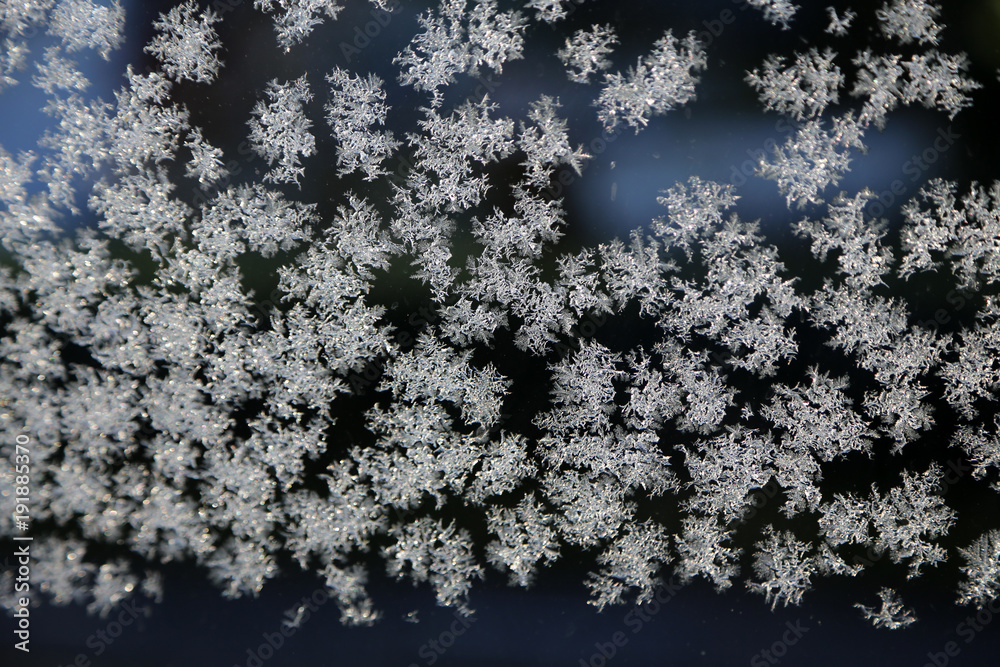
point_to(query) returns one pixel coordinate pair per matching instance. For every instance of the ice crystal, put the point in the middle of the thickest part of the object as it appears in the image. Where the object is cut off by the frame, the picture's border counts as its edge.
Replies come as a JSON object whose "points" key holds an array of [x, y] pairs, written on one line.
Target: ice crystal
{"points": [[778, 12], [187, 44], [802, 90], [356, 105], [839, 25], [659, 82], [455, 41], [982, 570], [295, 19], [83, 24], [891, 615], [280, 129], [910, 20], [813, 159], [585, 53]]}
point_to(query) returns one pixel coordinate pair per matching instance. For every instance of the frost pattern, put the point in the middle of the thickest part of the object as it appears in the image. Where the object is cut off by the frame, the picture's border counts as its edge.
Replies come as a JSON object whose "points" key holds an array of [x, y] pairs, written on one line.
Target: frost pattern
{"points": [[83, 24], [549, 11], [356, 105], [778, 12], [187, 44], [456, 41], [982, 570], [179, 415], [891, 615], [585, 53], [279, 130], [802, 90], [658, 83], [840, 25], [813, 159], [910, 20], [296, 19]]}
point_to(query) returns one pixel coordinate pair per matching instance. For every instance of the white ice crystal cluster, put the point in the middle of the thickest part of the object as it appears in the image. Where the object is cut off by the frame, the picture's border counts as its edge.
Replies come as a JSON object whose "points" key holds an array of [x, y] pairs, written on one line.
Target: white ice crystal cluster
{"points": [[178, 414]]}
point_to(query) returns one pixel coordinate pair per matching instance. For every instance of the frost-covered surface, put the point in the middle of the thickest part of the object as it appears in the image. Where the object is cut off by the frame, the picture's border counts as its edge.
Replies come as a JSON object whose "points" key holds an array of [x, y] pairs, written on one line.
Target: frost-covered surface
{"points": [[178, 415], [586, 52]]}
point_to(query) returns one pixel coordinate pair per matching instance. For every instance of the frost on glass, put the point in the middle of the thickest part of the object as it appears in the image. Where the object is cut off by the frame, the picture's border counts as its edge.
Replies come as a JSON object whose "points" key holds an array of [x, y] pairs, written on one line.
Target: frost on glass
{"points": [[658, 83], [84, 24], [279, 130], [356, 104], [778, 12], [458, 39], [181, 412], [187, 43], [840, 24], [892, 614], [294, 20], [586, 52], [910, 20], [801, 90]]}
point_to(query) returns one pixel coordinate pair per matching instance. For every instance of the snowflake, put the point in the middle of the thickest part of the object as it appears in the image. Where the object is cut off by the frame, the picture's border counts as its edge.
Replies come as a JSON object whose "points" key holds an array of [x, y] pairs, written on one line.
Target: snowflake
{"points": [[585, 53], [279, 130], [187, 43], [659, 82]]}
